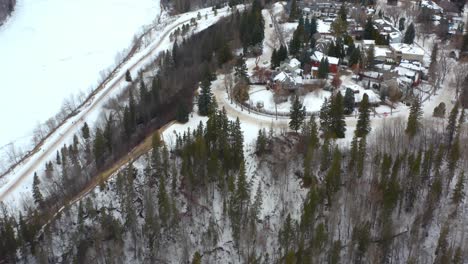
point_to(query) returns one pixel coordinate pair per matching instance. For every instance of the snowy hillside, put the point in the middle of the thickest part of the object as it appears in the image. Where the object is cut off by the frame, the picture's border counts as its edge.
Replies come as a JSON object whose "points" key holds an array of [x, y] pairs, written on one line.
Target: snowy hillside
{"points": [[52, 49]]}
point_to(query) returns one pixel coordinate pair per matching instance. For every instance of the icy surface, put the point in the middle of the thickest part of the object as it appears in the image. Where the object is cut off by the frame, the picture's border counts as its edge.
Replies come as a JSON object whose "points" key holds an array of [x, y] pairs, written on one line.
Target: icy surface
{"points": [[50, 49]]}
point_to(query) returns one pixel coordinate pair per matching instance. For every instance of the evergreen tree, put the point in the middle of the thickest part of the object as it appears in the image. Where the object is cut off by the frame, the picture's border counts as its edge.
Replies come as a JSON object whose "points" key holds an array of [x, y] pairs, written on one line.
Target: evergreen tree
{"points": [[58, 159], [237, 143], [363, 124], [99, 148], [458, 192], [401, 24], [163, 202], [274, 59], [294, 11], [37, 195], [257, 204], [343, 13], [242, 188], [442, 254], [349, 101], [182, 114], [224, 54], [295, 43], [337, 117], [128, 76], [410, 33], [240, 70], [452, 125], [464, 46], [85, 131], [354, 57], [205, 99], [308, 166], [325, 155], [313, 134], [370, 56], [313, 26], [282, 53], [252, 26], [361, 156], [197, 258], [334, 257], [414, 118], [333, 176], [325, 118], [261, 142], [339, 26], [369, 29], [323, 69], [286, 234], [297, 115]]}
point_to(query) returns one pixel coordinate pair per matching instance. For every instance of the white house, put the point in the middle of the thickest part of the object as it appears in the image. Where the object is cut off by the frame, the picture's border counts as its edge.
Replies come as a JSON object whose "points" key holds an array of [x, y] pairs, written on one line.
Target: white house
{"points": [[402, 51]]}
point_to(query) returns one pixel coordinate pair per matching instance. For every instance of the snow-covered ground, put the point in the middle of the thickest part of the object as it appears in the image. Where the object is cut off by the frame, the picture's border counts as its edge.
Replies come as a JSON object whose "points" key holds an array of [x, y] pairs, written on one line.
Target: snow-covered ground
{"points": [[16, 185], [51, 49], [312, 101]]}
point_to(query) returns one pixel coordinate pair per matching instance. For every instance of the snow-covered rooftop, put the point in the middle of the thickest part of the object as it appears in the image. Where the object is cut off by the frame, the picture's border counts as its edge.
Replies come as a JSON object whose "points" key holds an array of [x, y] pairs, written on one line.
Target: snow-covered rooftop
{"points": [[381, 51], [317, 56], [405, 72], [407, 48], [431, 5], [293, 63], [368, 42], [323, 27], [359, 92]]}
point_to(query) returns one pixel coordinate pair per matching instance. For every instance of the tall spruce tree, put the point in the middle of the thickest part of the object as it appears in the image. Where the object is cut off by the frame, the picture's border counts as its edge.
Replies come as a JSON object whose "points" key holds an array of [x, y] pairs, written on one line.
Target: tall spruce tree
{"points": [[414, 119], [323, 69], [99, 148], [363, 124], [459, 192], [452, 125], [297, 115], [37, 195], [313, 26], [333, 176], [349, 101], [325, 118], [282, 53], [410, 33], [337, 116], [274, 59], [205, 99], [294, 11], [240, 70]]}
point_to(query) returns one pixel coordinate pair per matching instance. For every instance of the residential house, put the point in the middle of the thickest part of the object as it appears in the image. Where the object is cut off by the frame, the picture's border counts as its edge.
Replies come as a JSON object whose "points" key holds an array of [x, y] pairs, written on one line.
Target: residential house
{"points": [[316, 58], [402, 51], [284, 80], [359, 91]]}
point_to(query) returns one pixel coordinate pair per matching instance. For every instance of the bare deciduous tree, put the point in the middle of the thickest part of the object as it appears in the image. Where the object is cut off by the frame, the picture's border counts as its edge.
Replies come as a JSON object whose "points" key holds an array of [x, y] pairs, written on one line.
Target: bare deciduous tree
{"points": [[460, 72], [394, 13]]}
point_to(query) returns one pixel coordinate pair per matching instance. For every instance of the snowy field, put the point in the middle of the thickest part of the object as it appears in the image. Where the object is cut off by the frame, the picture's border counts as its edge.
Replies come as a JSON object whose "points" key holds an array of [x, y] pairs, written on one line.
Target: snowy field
{"points": [[15, 187], [312, 101], [51, 49]]}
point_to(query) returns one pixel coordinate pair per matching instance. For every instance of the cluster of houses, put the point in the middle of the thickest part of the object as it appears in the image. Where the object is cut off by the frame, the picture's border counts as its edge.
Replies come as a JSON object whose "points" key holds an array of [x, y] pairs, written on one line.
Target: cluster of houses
{"points": [[396, 61], [438, 13]]}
